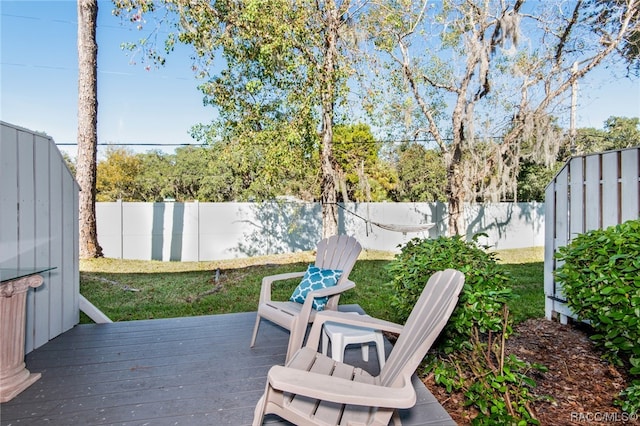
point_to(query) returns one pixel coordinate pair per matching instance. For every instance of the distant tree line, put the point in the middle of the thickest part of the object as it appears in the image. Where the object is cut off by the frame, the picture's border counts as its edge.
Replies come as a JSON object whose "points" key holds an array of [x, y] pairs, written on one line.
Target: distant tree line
{"points": [[368, 170]]}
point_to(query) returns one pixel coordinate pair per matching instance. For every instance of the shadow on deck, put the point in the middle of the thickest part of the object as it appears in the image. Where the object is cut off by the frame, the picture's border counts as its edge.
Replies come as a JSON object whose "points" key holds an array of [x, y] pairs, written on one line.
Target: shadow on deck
{"points": [[187, 371]]}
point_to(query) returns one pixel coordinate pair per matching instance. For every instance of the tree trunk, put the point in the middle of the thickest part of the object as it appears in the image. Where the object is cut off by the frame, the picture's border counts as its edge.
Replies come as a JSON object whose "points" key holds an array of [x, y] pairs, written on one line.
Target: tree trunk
{"points": [[455, 168], [87, 126], [329, 199], [328, 182], [455, 192]]}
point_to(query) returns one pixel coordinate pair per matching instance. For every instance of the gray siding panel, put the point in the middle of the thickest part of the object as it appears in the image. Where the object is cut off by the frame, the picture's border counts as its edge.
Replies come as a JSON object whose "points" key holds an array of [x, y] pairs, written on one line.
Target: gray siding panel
{"points": [[71, 288], [56, 254], [39, 227], [9, 197], [26, 223], [43, 207]]}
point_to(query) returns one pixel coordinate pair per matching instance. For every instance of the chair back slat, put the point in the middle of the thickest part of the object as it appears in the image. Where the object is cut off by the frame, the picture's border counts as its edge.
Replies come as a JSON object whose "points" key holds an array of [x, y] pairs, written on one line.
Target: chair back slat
{"points": [[338, 252], [426, 321]]}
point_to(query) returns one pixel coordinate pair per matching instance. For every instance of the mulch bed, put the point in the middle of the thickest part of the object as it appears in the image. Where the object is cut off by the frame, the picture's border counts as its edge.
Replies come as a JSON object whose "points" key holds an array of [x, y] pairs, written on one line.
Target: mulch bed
{"points": [[579, 388]]}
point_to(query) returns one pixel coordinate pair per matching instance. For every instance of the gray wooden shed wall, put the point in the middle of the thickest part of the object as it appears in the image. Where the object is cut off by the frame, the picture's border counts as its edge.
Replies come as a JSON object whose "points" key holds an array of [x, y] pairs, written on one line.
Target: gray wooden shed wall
{"points": [[590, 192], [39, 227]]}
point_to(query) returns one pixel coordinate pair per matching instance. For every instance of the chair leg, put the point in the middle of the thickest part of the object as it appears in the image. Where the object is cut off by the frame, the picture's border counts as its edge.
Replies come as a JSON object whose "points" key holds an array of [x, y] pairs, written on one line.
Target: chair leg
{"points": [[380, 348], [325, 341], [337, 348], [296, 337], [365, 351], [258, 414], [396, 418], [255, 330]]}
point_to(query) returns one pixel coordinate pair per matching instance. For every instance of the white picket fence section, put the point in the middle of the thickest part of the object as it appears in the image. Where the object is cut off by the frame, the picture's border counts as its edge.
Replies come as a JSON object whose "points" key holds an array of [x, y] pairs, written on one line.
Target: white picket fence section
{"points": [[590, 192], [39, 227]]}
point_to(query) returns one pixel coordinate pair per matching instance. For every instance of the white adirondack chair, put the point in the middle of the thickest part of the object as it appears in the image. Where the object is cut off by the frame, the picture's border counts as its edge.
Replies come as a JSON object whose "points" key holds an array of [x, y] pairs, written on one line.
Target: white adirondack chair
{"points": [[313, 389], [337, 252]]}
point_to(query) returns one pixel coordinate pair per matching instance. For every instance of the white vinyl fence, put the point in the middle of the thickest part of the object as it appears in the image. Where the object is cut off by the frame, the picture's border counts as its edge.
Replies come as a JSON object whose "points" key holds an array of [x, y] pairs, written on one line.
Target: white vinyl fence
{"points": [[590, 192], [215, 231]]}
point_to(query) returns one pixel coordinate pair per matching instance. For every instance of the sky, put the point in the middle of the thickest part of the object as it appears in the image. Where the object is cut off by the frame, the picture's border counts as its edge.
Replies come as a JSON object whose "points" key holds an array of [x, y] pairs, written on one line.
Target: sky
{"points": [[39, 79], [39, 73]]}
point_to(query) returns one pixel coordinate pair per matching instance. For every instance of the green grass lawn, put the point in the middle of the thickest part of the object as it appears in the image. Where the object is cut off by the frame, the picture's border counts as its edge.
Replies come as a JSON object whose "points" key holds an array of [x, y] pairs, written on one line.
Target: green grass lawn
{"points": [[131, 290], [526, 266]]}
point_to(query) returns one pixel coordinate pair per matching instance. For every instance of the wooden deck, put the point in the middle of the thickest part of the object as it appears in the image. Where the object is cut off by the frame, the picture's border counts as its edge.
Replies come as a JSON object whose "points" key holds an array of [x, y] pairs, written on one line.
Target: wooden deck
{"points": [[182, 371]]}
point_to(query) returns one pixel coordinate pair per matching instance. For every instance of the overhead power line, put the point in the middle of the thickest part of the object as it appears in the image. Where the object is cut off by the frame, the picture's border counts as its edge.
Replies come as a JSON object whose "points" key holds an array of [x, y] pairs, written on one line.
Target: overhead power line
{"points": [[384, 141], [133, 144]]}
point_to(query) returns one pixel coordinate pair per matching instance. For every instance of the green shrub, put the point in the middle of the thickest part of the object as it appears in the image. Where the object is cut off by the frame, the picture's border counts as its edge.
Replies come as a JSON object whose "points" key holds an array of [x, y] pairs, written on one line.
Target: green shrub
{"points": [[630, 402], [600, 279], [471, 357], [487, 286]]}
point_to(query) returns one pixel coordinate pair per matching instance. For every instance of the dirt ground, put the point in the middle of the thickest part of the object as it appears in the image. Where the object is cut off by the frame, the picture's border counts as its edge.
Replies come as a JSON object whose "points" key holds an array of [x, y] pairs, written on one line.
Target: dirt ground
{"points": [[579, 387]]}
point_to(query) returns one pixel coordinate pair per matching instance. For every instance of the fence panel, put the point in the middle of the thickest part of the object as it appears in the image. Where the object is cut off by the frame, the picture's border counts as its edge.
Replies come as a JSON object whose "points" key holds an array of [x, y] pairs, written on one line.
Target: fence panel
{"points": [[629, 192], [610, 189], [603, 190], [576, 201], [216, 231], [550, 239], [593, 208]]}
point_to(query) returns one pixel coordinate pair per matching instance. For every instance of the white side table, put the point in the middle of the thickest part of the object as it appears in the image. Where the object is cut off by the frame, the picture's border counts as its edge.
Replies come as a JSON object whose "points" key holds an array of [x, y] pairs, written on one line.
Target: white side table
{"points": [[342, 335]]}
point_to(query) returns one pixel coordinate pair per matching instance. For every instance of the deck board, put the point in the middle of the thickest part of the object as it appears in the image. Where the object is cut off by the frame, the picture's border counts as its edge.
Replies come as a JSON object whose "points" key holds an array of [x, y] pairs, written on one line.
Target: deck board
{"points": [[184, 371]]}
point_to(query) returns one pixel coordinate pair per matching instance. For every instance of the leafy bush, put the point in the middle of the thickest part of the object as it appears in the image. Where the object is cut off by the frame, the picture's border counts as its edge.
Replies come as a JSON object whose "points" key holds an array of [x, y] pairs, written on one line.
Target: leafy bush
{"points": [[630, 402], [471, 359], [600, 279], [487, 286]]}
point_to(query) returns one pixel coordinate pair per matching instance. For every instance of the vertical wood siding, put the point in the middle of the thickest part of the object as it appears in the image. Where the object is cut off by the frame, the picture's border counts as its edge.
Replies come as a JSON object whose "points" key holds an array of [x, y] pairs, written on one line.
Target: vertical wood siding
{"points": [[39, 227], [590, 192]]}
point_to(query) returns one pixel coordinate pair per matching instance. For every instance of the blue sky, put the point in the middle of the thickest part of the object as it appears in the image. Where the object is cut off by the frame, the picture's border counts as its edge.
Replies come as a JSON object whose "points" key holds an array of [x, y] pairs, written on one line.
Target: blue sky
{"points": [[38, 82], [39, 73]]}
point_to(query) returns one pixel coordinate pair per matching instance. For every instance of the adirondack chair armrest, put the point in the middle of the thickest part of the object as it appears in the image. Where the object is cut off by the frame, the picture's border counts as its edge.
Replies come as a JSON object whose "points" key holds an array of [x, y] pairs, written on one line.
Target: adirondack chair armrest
{"points": [[349, 319], [339, 390], [307, 306], [302, 321], [267, 282], [330, 291]]}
